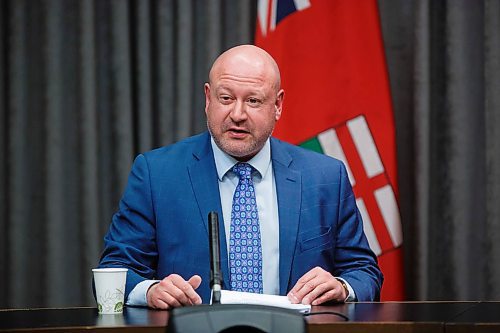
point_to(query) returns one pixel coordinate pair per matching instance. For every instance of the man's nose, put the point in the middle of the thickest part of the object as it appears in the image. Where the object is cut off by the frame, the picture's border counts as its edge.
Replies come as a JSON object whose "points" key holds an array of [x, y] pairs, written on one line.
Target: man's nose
{"points": [[238, 113]]}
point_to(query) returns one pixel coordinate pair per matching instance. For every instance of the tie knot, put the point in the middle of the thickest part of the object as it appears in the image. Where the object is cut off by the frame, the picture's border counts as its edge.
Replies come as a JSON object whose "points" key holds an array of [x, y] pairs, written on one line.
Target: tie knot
{"points": [[243, 170]]}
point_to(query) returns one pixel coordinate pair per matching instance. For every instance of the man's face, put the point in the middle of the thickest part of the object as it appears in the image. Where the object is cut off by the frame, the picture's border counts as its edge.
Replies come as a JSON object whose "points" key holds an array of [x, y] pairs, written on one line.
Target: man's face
{"points": [[242, 108]]}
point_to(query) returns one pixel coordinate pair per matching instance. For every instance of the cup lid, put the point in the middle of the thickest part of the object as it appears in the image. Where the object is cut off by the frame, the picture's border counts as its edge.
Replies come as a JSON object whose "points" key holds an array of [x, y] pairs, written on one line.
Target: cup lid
{"points": [[109, 269]]}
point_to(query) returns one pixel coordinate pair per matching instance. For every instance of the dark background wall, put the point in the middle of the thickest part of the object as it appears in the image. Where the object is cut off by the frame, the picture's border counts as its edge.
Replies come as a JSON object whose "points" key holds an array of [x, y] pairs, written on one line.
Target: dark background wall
{"points": [[86, 85]]}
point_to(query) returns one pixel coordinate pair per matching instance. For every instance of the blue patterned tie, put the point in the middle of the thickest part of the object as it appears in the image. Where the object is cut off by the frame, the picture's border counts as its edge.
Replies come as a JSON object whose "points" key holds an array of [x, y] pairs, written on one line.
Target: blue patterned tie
{"points": [[245, 251]]}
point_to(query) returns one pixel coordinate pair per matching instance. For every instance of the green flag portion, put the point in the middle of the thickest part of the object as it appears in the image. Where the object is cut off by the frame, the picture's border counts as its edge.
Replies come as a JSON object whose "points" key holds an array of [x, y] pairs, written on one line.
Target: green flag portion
{"points": [[312, 144]]}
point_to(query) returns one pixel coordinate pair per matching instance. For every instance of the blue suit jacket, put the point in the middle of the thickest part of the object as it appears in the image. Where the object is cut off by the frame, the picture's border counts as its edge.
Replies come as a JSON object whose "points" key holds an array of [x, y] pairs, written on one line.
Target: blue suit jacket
{"points": [[161, 225]]}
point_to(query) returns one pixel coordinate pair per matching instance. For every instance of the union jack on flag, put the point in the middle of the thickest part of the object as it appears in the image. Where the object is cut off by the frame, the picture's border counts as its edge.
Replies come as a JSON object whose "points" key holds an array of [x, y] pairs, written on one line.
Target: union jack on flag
{"points": [[278, 10]]}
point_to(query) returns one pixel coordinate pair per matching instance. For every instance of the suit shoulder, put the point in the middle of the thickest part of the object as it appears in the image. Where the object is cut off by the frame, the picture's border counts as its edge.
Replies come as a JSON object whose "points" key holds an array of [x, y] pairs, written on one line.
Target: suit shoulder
{"points": [[178, 152], [303, 157], [184, 146]]}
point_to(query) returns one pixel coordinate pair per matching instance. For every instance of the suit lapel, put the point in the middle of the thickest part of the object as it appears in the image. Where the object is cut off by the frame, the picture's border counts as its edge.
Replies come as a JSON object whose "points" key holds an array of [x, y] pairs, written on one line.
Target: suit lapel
{"points": [[288, 187], [203, 175]]}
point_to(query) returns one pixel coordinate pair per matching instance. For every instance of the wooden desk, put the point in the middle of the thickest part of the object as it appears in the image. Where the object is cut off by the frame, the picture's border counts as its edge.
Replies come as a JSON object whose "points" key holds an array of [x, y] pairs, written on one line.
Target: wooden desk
{"points": [[363, 317], [485, 317]]}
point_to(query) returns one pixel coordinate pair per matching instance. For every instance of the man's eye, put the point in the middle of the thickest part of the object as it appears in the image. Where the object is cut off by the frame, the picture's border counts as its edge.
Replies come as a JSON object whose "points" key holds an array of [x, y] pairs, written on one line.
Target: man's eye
{"points": [[253, 101], [225, 98]]}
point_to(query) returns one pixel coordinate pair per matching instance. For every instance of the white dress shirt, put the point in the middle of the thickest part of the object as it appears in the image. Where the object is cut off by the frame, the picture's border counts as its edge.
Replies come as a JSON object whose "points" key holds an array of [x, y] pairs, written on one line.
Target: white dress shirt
{"points": [[267, 207]]}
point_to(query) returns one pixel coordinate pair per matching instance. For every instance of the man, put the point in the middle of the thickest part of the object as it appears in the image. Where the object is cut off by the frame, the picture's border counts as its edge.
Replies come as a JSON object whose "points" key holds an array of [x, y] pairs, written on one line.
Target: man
{"points": [[297, 232]]}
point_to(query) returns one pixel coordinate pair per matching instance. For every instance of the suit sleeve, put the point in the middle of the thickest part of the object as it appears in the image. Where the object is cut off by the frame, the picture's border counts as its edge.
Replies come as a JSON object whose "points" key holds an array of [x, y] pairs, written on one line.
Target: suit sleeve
{"points": [[355, 261], [131, 239]]}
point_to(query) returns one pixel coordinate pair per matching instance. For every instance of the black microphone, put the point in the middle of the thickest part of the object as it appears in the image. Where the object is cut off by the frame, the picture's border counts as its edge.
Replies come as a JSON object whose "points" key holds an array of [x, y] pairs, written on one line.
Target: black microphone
{"points": [[215, 273]]}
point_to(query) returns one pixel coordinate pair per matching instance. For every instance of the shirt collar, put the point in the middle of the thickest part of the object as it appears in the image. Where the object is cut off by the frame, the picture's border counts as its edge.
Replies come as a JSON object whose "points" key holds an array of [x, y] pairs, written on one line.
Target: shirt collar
{"points": [[224, 162]]}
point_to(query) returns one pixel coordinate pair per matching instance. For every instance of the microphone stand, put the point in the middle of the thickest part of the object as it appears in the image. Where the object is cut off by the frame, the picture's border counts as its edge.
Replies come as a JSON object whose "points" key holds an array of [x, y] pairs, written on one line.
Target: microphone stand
{"points": [[215, 272]]}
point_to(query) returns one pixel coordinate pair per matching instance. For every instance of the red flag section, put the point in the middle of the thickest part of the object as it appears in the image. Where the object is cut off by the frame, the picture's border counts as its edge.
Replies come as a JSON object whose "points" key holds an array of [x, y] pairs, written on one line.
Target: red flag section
{"points": [[337, 101]]}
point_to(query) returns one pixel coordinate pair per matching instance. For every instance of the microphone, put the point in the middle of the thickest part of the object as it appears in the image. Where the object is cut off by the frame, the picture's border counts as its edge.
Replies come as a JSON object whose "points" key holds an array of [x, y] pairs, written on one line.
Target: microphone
{"points": [[215, 272]]}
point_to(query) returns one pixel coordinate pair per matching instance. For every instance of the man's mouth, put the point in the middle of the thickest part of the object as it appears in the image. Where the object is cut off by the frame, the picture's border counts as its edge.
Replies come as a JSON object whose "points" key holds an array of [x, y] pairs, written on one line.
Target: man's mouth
{"points": [[237, 132]]}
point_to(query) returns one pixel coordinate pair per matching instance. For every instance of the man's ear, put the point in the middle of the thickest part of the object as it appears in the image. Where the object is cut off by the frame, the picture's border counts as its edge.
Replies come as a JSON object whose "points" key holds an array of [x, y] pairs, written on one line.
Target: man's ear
{"points": [[278, 105], [207, 96]]}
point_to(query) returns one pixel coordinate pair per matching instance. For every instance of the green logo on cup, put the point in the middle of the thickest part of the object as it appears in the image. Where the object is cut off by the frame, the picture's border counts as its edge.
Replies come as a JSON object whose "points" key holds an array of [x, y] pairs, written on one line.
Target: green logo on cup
{"points": [[111, 302]]}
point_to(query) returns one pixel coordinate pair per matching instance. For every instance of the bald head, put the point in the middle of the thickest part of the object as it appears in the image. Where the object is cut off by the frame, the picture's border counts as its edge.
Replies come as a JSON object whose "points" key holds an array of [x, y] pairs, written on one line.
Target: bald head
{"points": [[247, 61]]}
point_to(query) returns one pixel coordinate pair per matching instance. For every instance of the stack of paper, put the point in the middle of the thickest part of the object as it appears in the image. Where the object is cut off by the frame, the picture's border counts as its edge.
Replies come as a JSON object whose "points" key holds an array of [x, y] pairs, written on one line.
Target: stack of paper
{"points": [[238, 297]]}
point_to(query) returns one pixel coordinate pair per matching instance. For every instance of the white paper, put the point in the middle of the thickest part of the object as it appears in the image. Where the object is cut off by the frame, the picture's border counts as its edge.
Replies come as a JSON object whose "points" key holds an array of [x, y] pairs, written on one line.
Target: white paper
{"points": [[238, 297]]}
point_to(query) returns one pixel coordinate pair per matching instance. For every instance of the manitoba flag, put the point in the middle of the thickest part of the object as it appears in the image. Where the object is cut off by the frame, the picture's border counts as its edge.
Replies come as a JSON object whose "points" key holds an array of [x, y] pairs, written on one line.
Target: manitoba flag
{"points": [[337, 102]]}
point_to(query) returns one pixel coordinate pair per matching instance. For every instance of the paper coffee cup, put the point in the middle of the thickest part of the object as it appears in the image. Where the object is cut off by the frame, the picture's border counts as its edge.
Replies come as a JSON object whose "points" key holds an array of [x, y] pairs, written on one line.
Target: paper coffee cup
{"points": [[110, 289]]}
